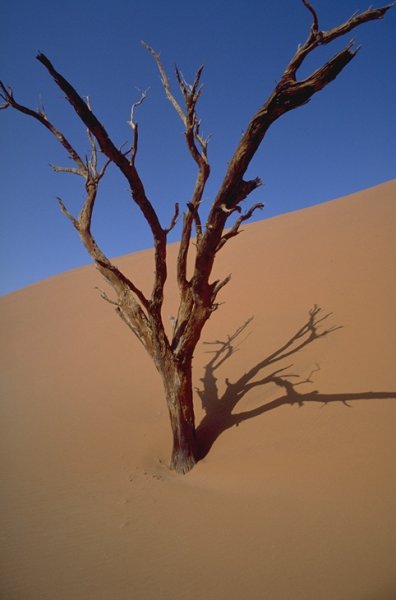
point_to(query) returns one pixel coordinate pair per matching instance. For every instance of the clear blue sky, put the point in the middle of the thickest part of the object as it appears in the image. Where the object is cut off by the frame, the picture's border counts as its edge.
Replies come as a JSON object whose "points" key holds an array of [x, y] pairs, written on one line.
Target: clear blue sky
{"points": [[342, 141]]}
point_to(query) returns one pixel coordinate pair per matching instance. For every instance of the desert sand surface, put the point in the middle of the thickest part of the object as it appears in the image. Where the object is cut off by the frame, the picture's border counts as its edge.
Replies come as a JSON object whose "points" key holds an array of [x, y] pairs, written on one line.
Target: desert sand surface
{"points": [[296, 496]]}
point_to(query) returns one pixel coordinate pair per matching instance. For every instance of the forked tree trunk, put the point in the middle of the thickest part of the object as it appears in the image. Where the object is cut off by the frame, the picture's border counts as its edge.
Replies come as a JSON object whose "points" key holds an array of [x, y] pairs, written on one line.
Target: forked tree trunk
{"points": [[177, 381], [198, 297]]}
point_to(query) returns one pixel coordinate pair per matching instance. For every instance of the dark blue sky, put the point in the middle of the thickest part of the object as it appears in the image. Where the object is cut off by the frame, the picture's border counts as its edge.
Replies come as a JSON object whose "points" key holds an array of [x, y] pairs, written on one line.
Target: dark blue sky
{"points": [[341, 142]]}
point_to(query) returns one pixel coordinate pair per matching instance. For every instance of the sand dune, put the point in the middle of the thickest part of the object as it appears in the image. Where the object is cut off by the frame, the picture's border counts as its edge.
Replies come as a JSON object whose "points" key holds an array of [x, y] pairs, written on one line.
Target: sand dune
{"points": [[295, 498]]}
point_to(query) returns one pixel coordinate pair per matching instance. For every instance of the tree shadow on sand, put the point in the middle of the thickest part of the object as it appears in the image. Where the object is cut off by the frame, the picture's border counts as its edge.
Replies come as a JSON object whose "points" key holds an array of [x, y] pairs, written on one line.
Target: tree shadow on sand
{"points": [[219, 411]]}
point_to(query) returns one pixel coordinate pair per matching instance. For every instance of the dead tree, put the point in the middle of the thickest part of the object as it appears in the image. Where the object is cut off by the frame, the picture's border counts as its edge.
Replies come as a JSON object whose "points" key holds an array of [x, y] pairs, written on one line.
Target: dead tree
{"points": [[173, 355]]}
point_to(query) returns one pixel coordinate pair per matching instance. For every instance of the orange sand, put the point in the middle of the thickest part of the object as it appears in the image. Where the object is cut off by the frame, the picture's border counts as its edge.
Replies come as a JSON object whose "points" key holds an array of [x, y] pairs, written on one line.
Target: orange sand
{"points": [[297, 502]]}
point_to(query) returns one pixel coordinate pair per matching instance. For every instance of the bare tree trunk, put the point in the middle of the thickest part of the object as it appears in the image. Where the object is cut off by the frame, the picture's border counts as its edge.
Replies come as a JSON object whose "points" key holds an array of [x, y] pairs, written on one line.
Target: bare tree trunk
{"points": [[177, 381]]}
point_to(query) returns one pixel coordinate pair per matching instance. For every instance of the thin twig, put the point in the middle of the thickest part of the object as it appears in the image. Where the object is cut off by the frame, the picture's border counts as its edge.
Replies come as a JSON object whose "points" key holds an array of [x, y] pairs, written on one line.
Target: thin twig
{"points": [[134, 125], [165, 82], [106, 297], [235, 229], [174, 218], [68, 214]]}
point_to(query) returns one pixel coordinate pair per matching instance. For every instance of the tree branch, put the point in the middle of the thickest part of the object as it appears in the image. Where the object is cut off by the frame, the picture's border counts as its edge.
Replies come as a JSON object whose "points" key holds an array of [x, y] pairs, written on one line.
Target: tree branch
{"points": [[134, 126], [318, 38], [165, 83], [235, 228], [193, 208], [371, 14], [117, 279], [67, 214], [293, 94], [69, 170], [86, 115], [105, 297], [106, 145], [138, 192], [92, 177], [315, 24], [174, 219], [287, 95], [7, 95], [189, 118], [218, 285]]}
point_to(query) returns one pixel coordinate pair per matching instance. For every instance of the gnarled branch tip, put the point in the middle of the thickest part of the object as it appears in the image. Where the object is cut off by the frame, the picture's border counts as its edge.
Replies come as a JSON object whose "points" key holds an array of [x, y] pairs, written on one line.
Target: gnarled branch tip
{"points": [[67, 213]]}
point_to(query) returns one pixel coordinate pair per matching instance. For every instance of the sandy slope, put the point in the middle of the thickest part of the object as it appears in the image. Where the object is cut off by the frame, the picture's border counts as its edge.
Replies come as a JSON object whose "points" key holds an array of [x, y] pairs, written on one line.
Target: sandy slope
{"points": [[297, 501]]}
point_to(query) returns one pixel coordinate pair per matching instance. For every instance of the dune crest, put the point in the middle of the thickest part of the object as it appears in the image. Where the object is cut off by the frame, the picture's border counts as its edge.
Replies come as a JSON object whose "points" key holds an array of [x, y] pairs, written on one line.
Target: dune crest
{"points": [[296, 403]]}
